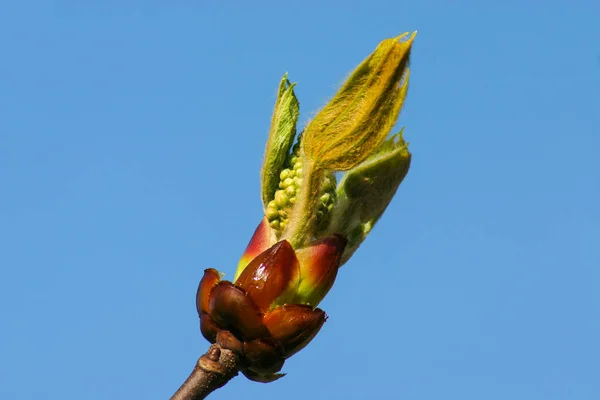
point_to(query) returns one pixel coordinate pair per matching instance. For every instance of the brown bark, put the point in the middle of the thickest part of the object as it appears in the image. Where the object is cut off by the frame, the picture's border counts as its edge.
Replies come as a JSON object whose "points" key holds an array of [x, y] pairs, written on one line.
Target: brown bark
{"points": [[213, 370]]}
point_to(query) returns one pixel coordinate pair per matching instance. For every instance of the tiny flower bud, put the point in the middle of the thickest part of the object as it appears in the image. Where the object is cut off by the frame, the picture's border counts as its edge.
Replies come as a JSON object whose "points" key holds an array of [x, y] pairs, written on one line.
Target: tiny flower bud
{"points": [[272, 211], [290, 191], [284, 174], [287, 182], [281, 199]]}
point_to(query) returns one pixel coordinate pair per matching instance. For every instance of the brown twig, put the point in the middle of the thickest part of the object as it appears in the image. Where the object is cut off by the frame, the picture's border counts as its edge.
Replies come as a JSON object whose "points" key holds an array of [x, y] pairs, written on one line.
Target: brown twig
{"points": [[213, 370]]}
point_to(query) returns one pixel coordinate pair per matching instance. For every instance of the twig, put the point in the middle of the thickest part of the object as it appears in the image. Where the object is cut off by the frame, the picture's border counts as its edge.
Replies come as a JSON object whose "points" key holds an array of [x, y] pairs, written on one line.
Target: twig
{"points": [[213, 370]]}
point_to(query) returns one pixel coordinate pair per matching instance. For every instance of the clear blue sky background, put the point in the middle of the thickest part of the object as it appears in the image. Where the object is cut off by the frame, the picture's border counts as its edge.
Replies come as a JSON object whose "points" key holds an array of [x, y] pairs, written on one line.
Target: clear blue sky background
{"points": [[131, 136]]}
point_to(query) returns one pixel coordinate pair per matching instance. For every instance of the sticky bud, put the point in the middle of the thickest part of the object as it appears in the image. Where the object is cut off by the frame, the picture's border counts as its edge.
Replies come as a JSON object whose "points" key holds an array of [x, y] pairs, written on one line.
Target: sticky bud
{"points": [[272, 276]]}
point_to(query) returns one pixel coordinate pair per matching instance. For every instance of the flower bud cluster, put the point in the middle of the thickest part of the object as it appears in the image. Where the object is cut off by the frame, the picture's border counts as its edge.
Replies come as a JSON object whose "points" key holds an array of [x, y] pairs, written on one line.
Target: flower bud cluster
{"points": [[290, 180]]}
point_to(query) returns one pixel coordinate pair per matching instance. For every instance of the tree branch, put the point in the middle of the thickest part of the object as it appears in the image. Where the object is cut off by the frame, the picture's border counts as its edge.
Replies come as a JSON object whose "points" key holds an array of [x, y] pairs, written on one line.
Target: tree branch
{"points": [[213, 370]]}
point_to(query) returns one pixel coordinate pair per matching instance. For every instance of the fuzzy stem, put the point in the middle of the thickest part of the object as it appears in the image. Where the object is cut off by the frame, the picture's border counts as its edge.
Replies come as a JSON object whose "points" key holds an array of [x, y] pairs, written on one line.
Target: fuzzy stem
{"points": [[213, 370]]}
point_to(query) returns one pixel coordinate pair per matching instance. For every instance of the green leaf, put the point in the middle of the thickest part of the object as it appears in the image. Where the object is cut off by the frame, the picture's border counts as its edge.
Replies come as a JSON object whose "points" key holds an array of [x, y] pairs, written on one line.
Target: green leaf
{"points": [[281, 138], [360, 116], [366, 190]]}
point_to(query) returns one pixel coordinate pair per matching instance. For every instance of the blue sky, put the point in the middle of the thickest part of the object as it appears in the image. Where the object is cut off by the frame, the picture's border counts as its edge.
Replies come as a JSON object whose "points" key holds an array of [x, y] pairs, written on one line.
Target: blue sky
{"points": [[131, 137]]}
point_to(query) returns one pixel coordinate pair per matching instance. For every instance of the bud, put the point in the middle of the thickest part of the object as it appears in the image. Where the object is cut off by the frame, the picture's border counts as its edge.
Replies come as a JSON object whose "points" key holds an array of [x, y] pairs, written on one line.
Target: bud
{"points": [[311, 224]]}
